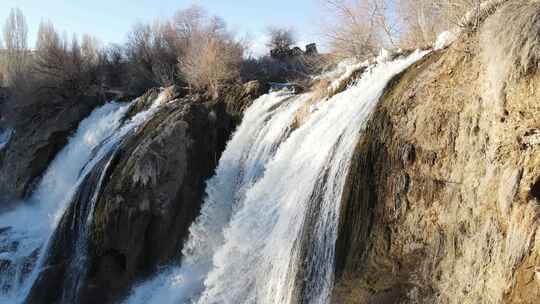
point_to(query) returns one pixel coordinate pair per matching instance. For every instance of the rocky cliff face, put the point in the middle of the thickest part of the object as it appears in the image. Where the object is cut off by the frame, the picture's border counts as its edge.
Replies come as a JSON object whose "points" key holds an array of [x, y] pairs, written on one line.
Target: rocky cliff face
{"points": [[441, 204], [155, 192], [39, 133], [146, 193]]}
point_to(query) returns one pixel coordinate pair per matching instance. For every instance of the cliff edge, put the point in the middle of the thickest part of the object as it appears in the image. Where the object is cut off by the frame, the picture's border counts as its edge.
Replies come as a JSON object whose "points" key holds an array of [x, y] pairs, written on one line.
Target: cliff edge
{"points": [[441, 203]]}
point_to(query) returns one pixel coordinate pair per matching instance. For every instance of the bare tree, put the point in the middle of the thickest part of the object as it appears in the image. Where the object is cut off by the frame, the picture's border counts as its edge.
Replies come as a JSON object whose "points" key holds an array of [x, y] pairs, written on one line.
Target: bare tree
{"points": [[90, 49], [280, 38], [152, 54], [212, 59], [192, 47], [421, 20], [187, 23], [359, 28], [113, 68], [50, 54], [60, 64], [16, 46]]}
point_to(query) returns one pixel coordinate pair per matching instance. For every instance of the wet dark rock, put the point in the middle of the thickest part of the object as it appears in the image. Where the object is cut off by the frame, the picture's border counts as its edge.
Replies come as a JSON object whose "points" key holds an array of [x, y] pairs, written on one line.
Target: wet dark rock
{"points": [[238, 98], [65, 264], [150, 195], [4, 264], [154, 193], [40, 132]]}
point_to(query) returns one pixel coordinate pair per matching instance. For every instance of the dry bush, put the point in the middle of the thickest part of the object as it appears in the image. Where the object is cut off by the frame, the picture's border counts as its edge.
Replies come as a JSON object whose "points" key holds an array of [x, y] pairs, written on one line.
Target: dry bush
{"points": [[208, 54], [210, 62], [518, 39], [463, 13], [151, 54], [64, 67], [423, 20], [510, 42], [359, 28]]}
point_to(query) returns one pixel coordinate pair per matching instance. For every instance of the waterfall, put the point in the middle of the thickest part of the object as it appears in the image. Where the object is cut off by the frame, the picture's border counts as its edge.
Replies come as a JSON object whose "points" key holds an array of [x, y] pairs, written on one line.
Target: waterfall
{"points": [[27, 228], [268, 227], [27, 231], [5, 136], [265, 125]]}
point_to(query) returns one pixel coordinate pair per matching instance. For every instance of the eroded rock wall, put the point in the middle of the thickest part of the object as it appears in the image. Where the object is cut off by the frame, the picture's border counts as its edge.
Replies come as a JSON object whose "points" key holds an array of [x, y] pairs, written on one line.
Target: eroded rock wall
{"points": [[154, 193], [441, 204]]}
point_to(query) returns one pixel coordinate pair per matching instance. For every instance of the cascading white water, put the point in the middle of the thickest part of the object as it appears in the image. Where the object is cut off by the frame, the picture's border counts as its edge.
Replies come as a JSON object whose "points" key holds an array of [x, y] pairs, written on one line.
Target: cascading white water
{"points": [[265, 125], [33, 222], [5, 136], [30, 226], [247, 245]]}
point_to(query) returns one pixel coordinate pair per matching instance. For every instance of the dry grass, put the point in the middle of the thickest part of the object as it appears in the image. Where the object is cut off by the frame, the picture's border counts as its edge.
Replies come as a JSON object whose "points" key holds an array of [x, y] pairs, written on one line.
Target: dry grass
{"points": [[510, 42], [486, 260], [211, 61]]}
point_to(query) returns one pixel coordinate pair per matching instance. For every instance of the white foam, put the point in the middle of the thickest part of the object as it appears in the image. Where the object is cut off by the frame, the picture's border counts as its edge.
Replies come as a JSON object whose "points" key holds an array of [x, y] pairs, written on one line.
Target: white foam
{"points": [[34, 221], [245, 245], [264, 127]]}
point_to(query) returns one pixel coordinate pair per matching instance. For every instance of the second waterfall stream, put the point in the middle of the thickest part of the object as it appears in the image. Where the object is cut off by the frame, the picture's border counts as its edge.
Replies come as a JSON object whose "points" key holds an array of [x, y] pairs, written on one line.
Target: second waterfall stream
{"points": [[268, 226]]}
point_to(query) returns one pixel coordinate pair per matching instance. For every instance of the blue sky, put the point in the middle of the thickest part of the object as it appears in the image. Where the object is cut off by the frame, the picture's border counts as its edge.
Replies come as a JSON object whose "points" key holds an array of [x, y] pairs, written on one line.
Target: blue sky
{"points": [[110, 20]]}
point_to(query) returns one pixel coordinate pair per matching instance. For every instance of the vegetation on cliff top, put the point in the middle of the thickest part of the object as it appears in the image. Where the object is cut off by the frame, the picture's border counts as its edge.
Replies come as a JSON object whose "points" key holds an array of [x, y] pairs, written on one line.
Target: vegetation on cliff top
{"points": [[198, 50]]}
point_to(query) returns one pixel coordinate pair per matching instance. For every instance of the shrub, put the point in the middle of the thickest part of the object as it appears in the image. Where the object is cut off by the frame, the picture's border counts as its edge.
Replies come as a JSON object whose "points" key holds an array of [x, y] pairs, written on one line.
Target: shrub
{"points": [[210, 61], [359, 28], [152, 55]]}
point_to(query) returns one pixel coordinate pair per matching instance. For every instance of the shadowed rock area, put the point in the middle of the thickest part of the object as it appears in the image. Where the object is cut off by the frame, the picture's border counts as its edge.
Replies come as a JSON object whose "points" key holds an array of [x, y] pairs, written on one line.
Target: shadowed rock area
{"points": [[40, 131]]}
